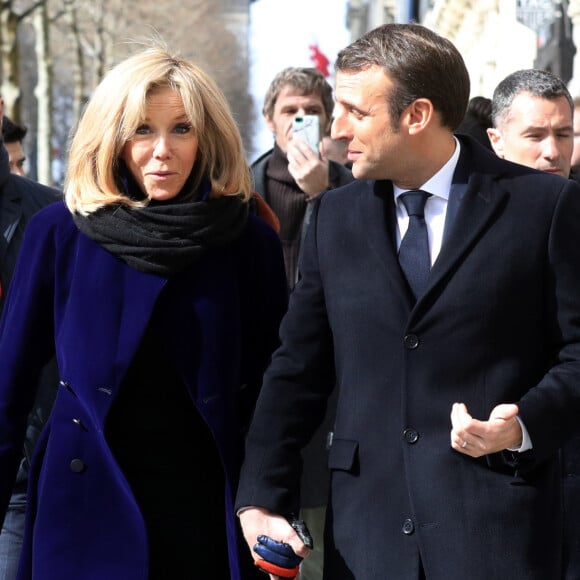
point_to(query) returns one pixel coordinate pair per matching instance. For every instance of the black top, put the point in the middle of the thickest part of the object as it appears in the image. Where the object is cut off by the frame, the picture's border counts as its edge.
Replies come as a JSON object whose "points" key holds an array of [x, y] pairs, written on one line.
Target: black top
{"points": [[169, 457]]}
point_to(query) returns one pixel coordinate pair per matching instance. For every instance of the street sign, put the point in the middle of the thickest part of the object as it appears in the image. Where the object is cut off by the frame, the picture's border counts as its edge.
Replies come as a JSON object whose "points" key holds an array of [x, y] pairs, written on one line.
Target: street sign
{"points": [[536, 14]]}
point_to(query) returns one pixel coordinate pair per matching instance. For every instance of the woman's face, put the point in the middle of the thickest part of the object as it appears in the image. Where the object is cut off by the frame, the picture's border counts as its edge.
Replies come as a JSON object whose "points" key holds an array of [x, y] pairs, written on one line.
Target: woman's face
{"points": [[162, 152]]}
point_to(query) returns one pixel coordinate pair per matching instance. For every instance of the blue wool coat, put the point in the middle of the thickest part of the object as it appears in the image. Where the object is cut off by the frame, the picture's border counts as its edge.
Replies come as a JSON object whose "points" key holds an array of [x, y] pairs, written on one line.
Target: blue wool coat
{"points": [[71, 296]]}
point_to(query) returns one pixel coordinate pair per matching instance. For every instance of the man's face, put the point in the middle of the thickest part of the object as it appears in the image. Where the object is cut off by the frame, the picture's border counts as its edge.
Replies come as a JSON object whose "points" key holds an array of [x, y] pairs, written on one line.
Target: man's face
{"points": [[289, 104], [576, 149], [538, 133], [362, 118], [16, 157]]}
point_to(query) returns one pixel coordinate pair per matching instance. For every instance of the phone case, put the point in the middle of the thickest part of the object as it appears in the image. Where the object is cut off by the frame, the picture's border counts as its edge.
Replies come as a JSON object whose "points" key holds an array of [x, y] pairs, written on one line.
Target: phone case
{"points": [[307, 128]]}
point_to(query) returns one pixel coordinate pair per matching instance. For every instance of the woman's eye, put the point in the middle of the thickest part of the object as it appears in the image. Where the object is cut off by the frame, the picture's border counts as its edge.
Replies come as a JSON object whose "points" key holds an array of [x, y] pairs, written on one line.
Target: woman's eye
{"points": [[142, 130], [182, 128]]}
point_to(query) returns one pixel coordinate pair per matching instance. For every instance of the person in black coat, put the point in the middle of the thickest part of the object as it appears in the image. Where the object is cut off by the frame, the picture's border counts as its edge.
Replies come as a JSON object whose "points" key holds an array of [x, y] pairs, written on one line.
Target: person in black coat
{"points": [[533, 125], [459, 379], [290, 177], [20, 199]]}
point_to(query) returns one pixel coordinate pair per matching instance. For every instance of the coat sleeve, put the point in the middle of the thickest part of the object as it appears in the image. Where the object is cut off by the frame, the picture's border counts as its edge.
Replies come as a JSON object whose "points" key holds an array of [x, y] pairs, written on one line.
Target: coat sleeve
{"points": [[550, 410], [26, 343], [265, 281], [293, 397]]}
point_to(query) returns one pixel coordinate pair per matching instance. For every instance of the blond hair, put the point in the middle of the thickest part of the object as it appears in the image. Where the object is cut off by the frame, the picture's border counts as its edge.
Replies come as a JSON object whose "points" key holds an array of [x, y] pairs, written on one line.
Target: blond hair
{"points": [[116, 109]]}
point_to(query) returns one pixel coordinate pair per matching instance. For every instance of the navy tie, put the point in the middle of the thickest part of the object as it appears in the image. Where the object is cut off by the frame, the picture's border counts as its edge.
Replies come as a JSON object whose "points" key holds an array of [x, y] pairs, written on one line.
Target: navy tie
{"points": [[414, 250]]}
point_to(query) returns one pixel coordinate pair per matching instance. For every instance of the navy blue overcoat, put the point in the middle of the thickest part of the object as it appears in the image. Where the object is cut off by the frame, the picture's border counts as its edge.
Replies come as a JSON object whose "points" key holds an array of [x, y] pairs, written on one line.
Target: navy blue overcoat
{"points": [[498, 323], [71, 296]]}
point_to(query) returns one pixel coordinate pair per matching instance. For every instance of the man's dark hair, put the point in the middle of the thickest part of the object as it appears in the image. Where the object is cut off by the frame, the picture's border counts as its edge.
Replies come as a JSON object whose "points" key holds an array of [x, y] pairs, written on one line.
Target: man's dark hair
{"points": [[477, 120], [539, 83], [11, 131], [420, 63], [480, 108]]}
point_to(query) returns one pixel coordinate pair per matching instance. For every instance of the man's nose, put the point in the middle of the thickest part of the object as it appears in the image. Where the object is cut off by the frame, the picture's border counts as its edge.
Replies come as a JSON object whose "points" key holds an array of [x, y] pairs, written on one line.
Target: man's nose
{"points": [[550, 148], [339, 128]]}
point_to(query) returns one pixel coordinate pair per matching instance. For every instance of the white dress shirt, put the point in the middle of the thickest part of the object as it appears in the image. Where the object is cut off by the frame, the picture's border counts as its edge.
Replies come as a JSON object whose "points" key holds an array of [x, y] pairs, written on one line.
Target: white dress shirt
{"points": [[439, 187]]}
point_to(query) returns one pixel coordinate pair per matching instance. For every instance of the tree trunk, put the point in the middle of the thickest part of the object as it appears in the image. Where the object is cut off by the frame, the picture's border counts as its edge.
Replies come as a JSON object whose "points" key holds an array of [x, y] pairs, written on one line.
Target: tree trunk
{"points": [[78, 64], [10, 84], [43, 93]]}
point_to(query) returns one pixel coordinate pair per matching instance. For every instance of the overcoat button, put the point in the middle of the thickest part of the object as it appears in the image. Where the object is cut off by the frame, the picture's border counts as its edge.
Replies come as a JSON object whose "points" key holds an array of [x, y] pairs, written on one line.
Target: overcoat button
{"points": [[80, 424], [411, 436], [411, 341], [77, 466], [408, 527], [66, 386]]}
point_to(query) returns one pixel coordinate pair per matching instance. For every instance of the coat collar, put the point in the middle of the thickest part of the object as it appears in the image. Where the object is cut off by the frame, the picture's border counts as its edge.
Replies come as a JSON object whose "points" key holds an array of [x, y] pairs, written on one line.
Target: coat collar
{"points": [[476, 197], [10, 204]]}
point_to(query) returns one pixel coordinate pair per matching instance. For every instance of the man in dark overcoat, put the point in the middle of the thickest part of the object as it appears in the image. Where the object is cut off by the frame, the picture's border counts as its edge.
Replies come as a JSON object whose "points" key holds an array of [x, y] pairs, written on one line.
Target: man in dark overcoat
{"points": [[451, 329]]}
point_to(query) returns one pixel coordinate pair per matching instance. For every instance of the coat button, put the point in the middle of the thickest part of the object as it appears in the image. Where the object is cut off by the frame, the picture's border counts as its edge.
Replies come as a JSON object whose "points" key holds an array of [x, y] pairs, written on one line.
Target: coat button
{"points": [[80, 424], [77, 466], [411, 436], [411, 341], [408, 527], [67, 387]]}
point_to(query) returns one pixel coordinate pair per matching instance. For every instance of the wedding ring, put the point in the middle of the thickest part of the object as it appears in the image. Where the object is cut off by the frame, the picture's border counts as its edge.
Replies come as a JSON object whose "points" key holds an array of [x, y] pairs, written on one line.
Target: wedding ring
{"points": [[464, 445]]}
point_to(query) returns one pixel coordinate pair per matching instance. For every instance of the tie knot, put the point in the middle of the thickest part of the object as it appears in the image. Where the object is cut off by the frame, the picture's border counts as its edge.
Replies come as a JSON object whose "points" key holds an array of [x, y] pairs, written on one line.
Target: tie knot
{"points": [[414, 202]]}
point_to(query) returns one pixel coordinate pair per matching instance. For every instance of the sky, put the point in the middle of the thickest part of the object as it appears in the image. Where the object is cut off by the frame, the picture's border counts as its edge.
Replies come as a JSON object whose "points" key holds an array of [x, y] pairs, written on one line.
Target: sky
{"points": [[280, 34]]}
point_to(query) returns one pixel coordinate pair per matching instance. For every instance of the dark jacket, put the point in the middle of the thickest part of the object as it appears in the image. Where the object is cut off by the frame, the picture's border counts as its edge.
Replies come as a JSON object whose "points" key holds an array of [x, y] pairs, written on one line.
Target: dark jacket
{"points": [[570, 457], [338, 174], [20, 199], [80, 301], [314, 487], [499, 322]]}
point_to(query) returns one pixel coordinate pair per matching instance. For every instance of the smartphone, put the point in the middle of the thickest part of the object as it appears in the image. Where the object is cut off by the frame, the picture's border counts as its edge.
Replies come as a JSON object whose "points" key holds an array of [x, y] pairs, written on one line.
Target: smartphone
{"points": [[307, 128]]}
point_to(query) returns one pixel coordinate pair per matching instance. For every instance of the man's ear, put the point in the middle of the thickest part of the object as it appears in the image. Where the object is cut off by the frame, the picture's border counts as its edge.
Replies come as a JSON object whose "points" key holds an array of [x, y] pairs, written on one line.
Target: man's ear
{"points": [[496, 141], [418, 115], [325, 130], [1, 108], [270, 123]]}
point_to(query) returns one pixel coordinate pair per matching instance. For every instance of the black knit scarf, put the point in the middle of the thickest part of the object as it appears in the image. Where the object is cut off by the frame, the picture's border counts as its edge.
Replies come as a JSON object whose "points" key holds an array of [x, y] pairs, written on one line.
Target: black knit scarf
{"points": [[166, 237]]}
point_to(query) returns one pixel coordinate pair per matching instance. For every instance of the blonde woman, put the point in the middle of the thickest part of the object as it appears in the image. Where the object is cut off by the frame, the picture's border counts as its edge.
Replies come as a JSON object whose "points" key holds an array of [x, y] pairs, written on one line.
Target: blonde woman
{"points": [[161, 297]]}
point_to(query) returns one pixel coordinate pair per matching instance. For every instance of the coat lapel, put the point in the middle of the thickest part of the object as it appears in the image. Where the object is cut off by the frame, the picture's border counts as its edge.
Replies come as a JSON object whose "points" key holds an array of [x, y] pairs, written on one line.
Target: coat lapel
{"points": [[126, 299], [10, 217], [379, 222], [480, 203], [474, 201]]}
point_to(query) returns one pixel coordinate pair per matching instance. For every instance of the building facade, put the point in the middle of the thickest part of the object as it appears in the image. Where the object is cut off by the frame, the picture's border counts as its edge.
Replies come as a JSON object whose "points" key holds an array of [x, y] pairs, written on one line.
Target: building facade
{"points": [[495, 37]]}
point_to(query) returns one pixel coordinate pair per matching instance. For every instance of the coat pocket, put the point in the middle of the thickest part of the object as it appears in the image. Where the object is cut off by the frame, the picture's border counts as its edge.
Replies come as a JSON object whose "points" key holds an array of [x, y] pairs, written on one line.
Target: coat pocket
{"points": [[343, 455]]}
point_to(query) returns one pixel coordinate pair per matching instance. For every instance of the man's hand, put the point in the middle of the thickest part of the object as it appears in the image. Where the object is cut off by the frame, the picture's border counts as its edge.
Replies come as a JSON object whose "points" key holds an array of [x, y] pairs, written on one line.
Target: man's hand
{"points": [[261, 522], [476, 438], [308, 169]]}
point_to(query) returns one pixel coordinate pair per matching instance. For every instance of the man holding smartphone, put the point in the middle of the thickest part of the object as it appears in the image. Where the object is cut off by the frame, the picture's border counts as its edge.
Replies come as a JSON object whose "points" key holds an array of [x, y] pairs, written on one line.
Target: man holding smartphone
{"points": [[292, 174]]}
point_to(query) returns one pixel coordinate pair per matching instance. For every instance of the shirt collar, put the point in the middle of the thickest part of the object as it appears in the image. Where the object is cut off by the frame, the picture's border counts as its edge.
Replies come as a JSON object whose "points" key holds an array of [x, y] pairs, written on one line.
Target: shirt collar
{"points": [[440, 184]]}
